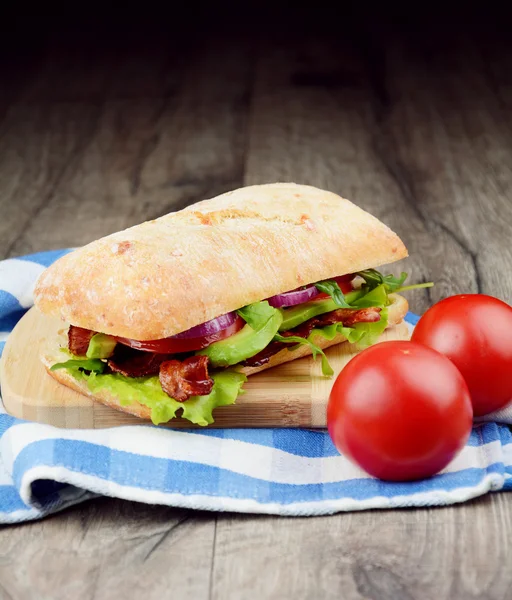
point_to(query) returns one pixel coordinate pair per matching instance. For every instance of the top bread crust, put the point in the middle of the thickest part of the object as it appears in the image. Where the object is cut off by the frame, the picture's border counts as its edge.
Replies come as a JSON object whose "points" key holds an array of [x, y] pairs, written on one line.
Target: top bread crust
{"points": [[167, 275]]}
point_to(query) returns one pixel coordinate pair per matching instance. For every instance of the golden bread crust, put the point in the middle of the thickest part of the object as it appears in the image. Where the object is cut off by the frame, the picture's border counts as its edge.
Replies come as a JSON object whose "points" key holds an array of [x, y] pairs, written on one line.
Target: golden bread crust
{"points": [[164, 276]]}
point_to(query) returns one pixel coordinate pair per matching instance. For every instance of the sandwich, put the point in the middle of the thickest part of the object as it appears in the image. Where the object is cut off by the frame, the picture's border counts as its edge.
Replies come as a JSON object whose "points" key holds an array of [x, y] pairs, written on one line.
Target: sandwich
{"points": [[168, 318]]}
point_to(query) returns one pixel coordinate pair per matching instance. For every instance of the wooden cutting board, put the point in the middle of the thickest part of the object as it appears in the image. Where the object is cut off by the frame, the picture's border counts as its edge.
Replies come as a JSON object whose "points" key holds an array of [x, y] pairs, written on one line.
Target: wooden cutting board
{"points": [[291, 395]]}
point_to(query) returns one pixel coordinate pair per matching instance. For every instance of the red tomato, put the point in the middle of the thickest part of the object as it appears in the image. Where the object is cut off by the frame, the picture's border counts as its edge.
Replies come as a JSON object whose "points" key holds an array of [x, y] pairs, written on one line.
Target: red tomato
{"points": [[172, 345], [475, 332], [399, 410]]}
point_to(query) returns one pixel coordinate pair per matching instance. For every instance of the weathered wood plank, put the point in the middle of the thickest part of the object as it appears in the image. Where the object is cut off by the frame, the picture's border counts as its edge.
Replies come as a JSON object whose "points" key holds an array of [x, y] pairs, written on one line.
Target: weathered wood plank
{"points": [[448, 133], [460, 552], [101, 166], [42, 136], [80, 159], [108, 549], [417, 135], [392, 139]]}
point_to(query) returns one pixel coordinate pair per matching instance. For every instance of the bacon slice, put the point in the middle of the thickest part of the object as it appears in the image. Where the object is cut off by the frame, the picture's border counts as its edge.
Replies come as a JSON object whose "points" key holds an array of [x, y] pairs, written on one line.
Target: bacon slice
{"points": [[182, 380], [78, 340], [135, 363], [265, 355], [347, 316]]}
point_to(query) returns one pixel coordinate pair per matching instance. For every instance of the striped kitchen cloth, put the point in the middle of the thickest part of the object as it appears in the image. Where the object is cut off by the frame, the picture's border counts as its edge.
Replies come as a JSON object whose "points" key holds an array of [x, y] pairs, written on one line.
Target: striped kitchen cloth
{"points": [[293, 472]]}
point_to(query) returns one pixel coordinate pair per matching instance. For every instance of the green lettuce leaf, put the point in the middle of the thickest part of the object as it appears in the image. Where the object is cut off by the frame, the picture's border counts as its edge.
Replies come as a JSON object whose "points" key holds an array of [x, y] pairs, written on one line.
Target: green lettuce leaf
{"points": [[228, 386], [90, 364], [148, 391], [362, 334], [258, 314], [297, 341]]}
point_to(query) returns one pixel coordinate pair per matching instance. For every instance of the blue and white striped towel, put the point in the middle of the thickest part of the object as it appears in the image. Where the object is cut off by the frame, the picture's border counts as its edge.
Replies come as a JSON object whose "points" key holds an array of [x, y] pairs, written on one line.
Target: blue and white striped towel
{"points": [[44, 469]]}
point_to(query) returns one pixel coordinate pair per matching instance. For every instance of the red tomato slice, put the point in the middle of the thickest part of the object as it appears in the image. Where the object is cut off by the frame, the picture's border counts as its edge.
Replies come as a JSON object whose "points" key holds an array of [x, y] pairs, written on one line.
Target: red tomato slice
{"points": [[344, 278], [172, 345], [400, 410], [475, 332]]}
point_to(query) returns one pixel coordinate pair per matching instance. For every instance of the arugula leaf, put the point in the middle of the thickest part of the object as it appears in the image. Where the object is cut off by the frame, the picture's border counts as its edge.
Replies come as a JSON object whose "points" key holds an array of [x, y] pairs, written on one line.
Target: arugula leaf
{"points": [[91, 364], [334, 291], [294, 339], [257, 314], [415, 286], [362, 334], [373, 278]]}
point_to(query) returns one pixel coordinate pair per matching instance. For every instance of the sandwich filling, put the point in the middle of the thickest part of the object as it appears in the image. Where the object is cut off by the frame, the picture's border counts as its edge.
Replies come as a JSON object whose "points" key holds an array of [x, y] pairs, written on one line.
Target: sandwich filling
{"points": [[196, 371]]}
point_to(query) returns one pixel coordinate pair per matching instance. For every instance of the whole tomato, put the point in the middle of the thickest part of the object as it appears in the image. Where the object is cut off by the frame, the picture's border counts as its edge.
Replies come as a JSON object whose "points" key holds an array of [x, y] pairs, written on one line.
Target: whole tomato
{"points": [[400, 410], [475, 332]]}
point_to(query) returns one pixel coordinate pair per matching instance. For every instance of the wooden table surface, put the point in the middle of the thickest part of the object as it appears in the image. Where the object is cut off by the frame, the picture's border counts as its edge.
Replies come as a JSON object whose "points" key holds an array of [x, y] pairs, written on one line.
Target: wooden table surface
{"points": [[100, 134]]}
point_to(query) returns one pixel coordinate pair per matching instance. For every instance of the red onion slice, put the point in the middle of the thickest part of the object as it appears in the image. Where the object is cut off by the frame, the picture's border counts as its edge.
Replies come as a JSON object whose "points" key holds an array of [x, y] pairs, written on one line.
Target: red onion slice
{"points": [[294, 297], [208, 328]]}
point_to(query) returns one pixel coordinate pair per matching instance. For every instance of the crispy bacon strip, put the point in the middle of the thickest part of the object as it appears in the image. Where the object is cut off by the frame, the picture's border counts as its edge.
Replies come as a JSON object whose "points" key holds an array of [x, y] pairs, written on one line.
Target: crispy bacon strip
{"points": [[78, 340], [362, 315], [182, 380], [265, 355], [347, 316], [135, 363]]}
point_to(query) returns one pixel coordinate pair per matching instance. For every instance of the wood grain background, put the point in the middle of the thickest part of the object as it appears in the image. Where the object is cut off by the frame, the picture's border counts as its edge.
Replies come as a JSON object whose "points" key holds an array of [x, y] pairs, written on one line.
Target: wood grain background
{"points": [[103, 127]]}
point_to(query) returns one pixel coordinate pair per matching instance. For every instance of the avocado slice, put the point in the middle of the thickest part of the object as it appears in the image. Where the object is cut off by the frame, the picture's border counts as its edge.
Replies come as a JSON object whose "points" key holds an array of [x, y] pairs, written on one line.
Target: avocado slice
{"points": [[295, 316], [101, 346], [243, 344]]}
